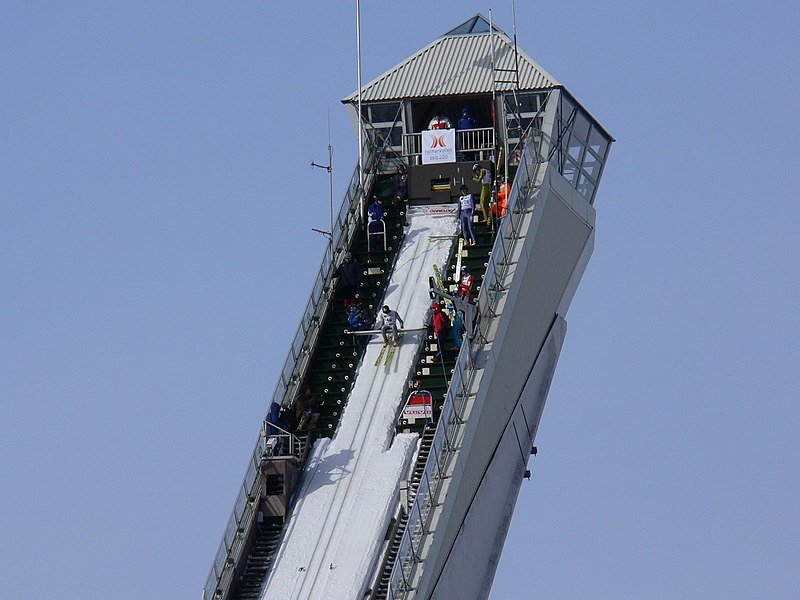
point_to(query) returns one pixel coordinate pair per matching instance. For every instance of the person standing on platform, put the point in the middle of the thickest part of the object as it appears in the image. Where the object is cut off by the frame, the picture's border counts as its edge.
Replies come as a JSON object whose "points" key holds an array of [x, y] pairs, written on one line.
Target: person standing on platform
{"points": [[485, 178], [502, 197], [440, 322], [466, 209], [306, 409], [375, 225], [440, 122], [465, 284], [466, 121], [349, 274]]}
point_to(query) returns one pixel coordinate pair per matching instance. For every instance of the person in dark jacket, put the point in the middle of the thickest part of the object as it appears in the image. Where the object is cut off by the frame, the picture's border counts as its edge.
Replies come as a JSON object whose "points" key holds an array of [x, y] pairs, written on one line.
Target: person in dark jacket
{"points": [[397, 191], [306, 409], [356, 318], [349, 275], [399, 186], [375, 225], [466, 121], [275, 426]]}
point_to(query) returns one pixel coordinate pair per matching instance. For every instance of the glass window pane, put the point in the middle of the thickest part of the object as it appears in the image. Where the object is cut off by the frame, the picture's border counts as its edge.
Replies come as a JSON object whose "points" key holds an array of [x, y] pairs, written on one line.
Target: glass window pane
{"points": [[287, 370], [575, 150], [598, 143], [230, 531], [570, 171], [385, 113], [297, 346], [396, 138], [219, 560], [250, 476], [241, 502], [529, 102], [591, 164], [566, 108], [580, 127], [585, 187]]}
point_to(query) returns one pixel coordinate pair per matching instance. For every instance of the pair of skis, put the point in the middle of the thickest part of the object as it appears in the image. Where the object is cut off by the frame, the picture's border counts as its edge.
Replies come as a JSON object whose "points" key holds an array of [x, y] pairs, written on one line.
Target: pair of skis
{"points": [[389, 355]]}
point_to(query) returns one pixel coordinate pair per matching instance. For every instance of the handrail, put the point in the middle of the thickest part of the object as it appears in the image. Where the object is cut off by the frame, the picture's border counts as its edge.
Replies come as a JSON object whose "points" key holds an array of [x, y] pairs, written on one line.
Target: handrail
{"points": [[344, 229], [453, 418], [479, 139]]}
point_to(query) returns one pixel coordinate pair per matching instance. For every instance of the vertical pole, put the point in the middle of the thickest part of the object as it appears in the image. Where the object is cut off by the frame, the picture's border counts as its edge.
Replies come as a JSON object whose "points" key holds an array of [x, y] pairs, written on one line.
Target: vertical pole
{"points": [[360, 128], [330, 181]]}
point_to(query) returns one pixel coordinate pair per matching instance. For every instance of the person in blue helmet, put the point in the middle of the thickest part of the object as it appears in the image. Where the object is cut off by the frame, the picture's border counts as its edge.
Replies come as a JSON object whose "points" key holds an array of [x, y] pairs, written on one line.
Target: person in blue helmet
{"points": [[466, 121]]}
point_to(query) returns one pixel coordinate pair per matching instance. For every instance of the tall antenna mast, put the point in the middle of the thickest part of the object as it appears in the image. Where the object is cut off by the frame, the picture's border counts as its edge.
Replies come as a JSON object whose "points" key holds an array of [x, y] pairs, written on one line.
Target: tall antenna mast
{"points": [[360, 127], [329, 168], [514, 27]]}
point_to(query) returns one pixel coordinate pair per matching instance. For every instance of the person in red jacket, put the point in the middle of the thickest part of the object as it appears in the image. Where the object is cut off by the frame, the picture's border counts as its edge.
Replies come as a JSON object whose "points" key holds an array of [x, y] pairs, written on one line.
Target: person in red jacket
{"points": [[440, 323], [465, 284]]}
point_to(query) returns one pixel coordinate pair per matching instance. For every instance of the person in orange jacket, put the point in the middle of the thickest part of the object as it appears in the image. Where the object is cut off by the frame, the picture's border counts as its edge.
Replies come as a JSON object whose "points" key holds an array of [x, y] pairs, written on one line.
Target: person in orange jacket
{"points": [[503, 189]]}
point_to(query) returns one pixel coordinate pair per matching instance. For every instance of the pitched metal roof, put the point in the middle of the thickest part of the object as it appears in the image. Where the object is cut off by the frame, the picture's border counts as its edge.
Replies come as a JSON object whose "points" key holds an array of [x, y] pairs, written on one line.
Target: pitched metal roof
{"points": [[455, 64]]}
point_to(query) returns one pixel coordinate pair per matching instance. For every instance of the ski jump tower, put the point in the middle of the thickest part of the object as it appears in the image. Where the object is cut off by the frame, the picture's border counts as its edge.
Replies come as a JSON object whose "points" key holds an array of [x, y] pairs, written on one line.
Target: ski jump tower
{"points": [[406, 486]]}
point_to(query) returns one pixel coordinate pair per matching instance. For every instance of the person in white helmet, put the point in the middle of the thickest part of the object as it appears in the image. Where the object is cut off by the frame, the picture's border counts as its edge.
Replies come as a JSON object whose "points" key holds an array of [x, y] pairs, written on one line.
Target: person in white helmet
{"points": [[388, 319]]}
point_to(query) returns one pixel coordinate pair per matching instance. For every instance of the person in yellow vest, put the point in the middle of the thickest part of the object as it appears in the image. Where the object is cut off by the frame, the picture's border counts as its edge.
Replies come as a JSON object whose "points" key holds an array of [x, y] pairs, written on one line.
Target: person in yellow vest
{"points": [[485, 178]]}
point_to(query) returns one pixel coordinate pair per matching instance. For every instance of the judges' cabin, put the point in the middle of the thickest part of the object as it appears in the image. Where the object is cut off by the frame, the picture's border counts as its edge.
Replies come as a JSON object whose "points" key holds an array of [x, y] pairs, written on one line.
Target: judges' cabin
{"points": [[478, 68]]}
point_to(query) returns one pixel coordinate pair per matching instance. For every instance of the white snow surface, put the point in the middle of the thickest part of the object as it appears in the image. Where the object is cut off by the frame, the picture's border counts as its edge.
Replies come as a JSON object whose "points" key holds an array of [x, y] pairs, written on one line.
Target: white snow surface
{"points": [[350, 487]]}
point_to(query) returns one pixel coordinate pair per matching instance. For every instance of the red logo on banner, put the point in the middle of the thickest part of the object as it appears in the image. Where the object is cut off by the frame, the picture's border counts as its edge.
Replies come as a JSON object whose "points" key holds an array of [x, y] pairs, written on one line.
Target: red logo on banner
{"points": [[437, 141]]}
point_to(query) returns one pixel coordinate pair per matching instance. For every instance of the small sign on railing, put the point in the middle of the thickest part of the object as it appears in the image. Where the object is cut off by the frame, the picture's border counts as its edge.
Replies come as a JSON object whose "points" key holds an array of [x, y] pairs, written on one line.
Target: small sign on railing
{"points": [[438, 146], [418, 406]]}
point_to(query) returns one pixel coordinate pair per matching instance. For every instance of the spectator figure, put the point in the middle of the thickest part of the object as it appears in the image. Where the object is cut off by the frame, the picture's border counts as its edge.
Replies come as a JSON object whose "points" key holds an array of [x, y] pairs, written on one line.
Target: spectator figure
{"points": [[398, 191], [356, 318], [502, 197], [275, 426], [485, 178], [349, 275], [466, 121], [440, 122], [458, 326], [388, 319], [306, 409], [375, 225], [466, 209], [440, 324], [399, 186], [465, 284]]}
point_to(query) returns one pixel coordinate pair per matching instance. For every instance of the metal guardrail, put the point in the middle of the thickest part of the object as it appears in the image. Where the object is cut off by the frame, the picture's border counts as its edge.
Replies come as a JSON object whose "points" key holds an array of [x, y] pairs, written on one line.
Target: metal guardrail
{"points": [[473, 141], [347, 221], [452, 419]]}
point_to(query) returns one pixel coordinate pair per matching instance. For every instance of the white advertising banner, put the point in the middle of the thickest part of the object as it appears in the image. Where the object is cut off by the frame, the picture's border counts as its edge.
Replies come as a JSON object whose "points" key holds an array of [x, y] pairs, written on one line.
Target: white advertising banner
{"points": [[438, 146]]}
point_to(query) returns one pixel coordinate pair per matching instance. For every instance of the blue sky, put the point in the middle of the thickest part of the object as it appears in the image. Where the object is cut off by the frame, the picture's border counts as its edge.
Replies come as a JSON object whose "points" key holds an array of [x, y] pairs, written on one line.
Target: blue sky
{"points": [[156, 207]]}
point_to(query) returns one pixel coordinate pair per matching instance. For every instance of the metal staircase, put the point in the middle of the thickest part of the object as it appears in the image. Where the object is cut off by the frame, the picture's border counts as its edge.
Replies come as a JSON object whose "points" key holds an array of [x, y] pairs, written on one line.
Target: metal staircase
{"points": [[259, 560], [381, 587]]}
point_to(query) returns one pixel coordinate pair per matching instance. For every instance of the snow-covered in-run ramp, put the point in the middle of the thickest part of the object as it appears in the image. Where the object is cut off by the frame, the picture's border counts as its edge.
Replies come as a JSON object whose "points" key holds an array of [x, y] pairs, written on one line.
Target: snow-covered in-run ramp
{"points": [[349, 489]]}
